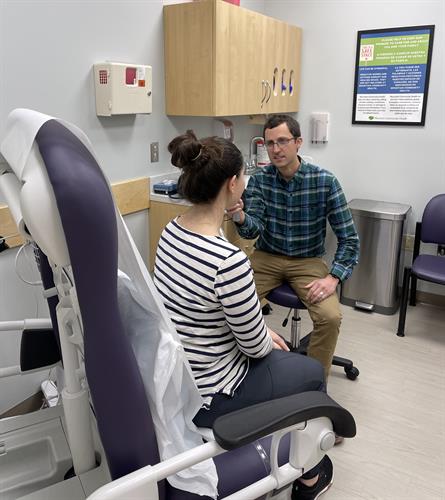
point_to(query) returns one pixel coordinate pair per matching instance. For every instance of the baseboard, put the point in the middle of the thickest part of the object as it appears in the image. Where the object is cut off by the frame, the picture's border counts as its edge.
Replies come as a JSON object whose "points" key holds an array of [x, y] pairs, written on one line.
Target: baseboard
{"points": [[431, 298], [33, 403]]}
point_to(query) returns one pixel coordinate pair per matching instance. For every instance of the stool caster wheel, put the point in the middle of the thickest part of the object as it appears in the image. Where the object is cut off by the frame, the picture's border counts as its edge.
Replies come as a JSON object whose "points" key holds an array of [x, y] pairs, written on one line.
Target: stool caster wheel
{"points": [[352, 373]]}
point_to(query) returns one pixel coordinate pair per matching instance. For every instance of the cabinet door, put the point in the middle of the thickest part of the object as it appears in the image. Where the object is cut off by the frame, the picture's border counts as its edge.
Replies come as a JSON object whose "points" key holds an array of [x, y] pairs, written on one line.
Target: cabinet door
{"points": [[291, 65], [282, 66], [218, 58], [188, 54], [238, 60], [159, 215]]}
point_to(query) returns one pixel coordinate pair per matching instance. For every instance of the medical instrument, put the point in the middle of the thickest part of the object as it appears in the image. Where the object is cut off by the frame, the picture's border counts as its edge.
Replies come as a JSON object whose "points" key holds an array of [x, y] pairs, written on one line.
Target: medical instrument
{"points": [[168, 187]]}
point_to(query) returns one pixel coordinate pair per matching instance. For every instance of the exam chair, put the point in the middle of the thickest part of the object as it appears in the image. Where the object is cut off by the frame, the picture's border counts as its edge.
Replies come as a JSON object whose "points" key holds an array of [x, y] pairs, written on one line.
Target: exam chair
{"points": [[424, 267], [69, 212]]}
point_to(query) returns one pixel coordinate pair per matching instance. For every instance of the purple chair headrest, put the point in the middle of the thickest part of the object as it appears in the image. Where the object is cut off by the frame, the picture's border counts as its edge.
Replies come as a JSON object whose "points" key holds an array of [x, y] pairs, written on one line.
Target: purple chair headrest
{"points": [[88, 218]]}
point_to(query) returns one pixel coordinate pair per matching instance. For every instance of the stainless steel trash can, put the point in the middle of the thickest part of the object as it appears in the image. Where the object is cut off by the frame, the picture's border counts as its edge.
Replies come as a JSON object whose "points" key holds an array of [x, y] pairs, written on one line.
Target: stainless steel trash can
{"points": [[374, 284]]}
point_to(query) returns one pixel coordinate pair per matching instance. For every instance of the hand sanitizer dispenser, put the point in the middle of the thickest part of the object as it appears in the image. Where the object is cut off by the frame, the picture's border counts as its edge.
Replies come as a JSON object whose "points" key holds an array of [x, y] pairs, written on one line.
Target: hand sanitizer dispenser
{"points": [[122, 88], [320, 128]]}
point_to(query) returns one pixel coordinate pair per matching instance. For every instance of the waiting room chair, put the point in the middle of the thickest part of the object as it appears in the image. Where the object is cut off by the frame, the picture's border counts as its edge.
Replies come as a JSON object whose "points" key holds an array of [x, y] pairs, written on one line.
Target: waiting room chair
{"points": [[68, 210], [424, 267], [284, 295]]}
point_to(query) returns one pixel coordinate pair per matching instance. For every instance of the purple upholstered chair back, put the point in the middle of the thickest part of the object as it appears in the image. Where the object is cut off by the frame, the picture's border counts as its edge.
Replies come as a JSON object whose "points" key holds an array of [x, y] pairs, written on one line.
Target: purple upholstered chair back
{"points": [[88, 218], [433, 221]]}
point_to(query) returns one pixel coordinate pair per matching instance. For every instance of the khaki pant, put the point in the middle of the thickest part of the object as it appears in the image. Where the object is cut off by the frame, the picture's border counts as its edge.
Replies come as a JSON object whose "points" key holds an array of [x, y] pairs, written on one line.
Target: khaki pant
{"points": [[271, 270]]}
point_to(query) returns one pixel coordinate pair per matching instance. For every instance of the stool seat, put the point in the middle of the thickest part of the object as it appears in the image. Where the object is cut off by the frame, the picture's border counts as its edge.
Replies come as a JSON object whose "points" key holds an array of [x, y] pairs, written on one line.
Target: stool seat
{"points": [[284, 295]]}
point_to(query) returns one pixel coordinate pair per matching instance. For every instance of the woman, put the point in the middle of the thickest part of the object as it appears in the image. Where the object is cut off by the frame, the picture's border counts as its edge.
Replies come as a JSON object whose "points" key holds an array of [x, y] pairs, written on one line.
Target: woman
{"points": [[207, 286]]}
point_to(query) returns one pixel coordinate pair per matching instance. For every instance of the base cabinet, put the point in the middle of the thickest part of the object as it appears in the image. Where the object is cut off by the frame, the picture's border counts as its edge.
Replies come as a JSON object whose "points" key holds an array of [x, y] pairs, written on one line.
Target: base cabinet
{"points": [[160, 214]]}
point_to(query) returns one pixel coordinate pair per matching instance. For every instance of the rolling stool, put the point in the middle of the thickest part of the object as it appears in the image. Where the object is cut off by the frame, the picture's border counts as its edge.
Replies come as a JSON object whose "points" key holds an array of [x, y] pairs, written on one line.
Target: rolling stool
{"points": [[285, 296]]}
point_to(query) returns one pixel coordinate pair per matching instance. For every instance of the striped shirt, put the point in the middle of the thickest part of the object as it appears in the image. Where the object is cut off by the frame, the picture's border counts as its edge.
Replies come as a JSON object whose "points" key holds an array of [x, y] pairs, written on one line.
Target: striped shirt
{"points": [[207, 286], [290, 216]]}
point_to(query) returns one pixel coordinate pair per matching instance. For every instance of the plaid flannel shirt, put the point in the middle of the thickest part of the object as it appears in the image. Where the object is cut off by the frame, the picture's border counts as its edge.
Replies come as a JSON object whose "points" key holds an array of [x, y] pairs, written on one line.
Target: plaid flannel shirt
{"points": [[289, 218]]}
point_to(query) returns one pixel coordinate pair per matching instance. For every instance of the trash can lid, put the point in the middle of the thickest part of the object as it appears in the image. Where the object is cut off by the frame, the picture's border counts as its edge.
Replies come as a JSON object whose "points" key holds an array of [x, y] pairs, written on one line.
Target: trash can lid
{"points": [[379, 209]]}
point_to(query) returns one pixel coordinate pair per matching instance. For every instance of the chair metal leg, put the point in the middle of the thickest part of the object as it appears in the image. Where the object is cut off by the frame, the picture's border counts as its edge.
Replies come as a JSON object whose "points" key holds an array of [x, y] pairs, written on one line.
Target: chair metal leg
{"points": [[301, 345], [404, 302], [412, 297], [295, 331]]}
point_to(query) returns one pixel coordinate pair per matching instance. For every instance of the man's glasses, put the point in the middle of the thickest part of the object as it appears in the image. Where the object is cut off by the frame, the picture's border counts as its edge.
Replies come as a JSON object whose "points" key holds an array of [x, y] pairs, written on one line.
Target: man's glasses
{"points": [[282, 142]]}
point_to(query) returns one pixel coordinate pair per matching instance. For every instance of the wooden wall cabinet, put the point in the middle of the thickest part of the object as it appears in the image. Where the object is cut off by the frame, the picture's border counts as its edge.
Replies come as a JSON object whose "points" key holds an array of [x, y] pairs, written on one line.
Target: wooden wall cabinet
{"points": [[223, 60]]}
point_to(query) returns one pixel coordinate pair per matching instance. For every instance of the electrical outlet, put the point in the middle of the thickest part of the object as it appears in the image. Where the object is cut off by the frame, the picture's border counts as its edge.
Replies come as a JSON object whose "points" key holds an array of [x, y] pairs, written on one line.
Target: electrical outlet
{"points": [[154, 152], [409, 242], [441, 250]]}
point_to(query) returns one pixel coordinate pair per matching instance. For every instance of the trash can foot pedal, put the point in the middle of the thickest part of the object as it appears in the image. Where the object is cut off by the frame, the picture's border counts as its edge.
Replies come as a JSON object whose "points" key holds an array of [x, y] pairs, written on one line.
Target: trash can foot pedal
{"points": [[364, 305]]}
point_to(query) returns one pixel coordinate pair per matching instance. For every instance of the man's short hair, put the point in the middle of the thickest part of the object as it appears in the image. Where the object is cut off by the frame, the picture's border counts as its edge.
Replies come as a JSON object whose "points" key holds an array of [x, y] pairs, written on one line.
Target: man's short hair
{"points": [[275, 120]]}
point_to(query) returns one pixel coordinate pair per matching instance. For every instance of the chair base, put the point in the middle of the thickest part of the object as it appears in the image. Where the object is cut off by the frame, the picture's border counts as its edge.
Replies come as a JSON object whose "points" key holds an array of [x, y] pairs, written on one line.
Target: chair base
{"points": [[351, 371]]}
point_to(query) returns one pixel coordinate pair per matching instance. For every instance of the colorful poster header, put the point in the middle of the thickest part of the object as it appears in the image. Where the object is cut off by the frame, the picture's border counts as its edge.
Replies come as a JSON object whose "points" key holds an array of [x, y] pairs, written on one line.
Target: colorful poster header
{"points": [[391, 75]]}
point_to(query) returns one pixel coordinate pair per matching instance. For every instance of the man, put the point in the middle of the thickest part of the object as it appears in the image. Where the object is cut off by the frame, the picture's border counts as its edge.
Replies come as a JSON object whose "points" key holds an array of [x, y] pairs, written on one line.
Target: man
{"points": [[286, 205]]}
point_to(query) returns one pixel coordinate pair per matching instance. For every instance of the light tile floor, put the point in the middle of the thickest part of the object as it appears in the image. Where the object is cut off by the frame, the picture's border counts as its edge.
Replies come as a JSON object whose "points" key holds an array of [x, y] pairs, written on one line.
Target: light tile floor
{"points": [[398, 402]]}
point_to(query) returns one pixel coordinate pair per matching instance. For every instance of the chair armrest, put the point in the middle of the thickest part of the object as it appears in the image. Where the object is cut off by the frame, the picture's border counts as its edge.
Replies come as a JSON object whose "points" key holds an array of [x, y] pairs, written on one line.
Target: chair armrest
{"points": [[273, 415], [254, 422], [142, 483]]}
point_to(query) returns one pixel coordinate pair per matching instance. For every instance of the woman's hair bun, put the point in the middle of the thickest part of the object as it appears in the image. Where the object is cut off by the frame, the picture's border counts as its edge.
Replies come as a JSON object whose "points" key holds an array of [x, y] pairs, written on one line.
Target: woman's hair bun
{"points": [[185, 149], [206, 164]]}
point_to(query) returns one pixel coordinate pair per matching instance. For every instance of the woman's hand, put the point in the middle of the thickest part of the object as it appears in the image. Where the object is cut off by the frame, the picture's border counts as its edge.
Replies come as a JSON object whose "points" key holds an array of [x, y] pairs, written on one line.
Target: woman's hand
{"points": [[278, 341]]}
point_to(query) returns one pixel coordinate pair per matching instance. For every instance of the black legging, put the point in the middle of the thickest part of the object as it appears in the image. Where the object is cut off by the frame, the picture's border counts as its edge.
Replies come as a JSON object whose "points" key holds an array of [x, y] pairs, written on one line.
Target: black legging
{"points": [[277, 375]]}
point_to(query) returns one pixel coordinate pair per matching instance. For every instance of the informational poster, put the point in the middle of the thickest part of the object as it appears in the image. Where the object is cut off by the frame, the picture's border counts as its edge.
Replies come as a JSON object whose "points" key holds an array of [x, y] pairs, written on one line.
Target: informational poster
{"points": [[391, 75]]}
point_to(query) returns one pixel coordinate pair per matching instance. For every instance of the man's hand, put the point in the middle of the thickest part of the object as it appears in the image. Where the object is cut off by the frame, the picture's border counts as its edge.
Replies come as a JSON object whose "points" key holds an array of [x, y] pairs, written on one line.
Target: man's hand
{"points": [[236, 212], [321, 289], [277, 340]]}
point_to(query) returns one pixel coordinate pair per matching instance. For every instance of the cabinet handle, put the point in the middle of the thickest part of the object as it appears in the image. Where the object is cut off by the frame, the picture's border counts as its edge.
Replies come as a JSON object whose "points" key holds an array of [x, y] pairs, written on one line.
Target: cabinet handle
{"points": [[263, 91], [270, 91], [291, 82], [283, 82]]}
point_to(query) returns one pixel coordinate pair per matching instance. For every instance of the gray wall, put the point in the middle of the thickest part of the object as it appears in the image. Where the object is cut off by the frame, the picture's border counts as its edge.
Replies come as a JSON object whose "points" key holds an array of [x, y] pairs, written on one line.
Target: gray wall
{"points": [[389, 163], [47, 49]]}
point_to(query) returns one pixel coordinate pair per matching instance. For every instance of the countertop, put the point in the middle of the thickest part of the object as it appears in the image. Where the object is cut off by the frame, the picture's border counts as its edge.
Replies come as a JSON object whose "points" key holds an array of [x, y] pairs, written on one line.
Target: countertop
{"points": [[164, 198]]}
